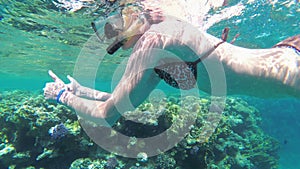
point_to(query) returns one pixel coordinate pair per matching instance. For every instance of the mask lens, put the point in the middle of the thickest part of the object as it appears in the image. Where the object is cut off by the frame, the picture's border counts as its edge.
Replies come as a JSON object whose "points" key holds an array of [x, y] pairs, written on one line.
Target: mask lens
{"points": [[111, 26], [109, 31]]}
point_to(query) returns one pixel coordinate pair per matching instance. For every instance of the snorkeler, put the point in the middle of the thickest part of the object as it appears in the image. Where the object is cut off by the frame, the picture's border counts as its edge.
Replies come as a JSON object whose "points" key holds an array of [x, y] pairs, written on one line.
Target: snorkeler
{"points": [[257, 72]]}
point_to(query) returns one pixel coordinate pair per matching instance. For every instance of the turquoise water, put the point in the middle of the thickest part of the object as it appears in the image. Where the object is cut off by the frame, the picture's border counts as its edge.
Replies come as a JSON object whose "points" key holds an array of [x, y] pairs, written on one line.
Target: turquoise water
{"points": [[36, 36]]}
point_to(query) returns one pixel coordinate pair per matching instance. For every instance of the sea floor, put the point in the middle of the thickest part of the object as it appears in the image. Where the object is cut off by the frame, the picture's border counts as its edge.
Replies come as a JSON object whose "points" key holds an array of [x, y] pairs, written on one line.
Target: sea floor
{"points": [[238, 142]]}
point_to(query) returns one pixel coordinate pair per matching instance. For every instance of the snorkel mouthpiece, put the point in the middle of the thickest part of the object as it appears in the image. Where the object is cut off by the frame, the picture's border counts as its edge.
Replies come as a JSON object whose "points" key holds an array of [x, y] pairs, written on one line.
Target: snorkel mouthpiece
{"points": [[111, 49]]}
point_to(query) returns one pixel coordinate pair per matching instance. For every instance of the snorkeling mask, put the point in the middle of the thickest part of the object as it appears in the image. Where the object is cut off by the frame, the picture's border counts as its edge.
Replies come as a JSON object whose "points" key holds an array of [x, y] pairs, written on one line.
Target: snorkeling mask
{"points": [[108, 29], [121, 28]]}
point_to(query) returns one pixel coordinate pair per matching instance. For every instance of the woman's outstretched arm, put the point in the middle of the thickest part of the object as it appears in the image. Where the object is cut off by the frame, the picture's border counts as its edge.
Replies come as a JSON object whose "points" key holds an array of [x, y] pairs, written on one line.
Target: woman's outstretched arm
{"points": [[84, 92], [138, 80]]}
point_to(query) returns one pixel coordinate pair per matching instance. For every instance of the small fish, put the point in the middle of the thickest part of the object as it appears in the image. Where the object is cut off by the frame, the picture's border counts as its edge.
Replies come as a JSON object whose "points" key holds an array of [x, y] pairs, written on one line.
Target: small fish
{"points": [[58, 131]]}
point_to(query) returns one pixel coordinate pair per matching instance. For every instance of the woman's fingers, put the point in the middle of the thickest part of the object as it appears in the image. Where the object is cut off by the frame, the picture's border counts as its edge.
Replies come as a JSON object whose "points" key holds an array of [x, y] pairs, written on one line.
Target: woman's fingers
{"points": [[72, 80], [49, 90], [73, 85], [54, 77]]}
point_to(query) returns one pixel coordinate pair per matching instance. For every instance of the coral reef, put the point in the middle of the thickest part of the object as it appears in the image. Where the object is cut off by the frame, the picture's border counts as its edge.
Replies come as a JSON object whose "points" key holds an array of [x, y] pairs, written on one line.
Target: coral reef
{"points": [[237, 142]]}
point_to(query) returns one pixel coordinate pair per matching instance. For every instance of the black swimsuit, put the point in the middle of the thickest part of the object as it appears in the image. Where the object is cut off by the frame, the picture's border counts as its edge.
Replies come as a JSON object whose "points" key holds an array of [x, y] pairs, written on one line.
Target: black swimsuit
{"points": [[181, 75]]}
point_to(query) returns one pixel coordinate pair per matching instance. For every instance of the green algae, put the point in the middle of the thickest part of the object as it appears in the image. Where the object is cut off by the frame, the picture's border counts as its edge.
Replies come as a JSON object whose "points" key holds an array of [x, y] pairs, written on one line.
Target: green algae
{"points": [[237, 142]]}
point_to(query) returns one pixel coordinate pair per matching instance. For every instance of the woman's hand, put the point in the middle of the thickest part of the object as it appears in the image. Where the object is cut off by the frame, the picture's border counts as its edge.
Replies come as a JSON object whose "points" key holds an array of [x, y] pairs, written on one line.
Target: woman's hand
{"points": [[52, 89]]}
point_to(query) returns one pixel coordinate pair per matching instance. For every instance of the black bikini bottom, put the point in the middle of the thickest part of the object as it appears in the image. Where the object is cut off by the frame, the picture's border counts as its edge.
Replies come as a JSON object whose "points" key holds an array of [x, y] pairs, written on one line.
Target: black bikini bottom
{"points": [[181, 75]]}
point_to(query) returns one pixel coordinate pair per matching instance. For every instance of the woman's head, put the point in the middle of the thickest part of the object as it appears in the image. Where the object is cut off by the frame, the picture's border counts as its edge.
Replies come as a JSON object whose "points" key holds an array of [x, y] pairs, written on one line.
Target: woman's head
{"points": [[129, 25]]}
